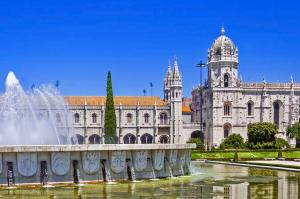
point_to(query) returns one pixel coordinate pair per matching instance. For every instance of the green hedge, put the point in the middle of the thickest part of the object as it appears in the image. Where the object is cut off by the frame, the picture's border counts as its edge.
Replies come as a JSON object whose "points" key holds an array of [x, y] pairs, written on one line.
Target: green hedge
{"points": [[244, 155]]}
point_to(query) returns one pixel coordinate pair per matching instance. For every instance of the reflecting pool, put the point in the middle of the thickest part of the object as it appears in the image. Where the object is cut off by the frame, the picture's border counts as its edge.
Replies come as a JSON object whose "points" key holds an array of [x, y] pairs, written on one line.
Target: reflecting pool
{"points": [[207, 181]]}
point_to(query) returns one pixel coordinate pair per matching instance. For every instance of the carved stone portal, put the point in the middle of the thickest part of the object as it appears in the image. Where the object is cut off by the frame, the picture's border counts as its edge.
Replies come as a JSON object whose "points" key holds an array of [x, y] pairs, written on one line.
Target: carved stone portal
{"points": [[117, 161], [158, 158], [91, 162], [140, 160], [27, 164], [60, 163]]}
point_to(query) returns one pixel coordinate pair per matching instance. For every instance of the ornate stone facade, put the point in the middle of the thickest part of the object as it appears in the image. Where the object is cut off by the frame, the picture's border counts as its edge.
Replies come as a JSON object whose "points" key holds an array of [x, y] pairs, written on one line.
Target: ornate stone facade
{"points": [[228, 105], [140, 119]]}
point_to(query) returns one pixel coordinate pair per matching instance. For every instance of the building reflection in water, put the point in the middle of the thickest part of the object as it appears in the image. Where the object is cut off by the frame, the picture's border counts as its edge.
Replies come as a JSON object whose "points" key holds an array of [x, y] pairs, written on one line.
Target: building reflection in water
{"points": [[266, 184]]}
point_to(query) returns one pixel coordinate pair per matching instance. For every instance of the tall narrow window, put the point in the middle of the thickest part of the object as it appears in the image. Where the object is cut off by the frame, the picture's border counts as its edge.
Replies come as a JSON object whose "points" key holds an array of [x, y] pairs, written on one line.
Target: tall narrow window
{"points": [[163, 118], [129, 118], [146, 118], [76, 117], [226, 80], [250, 108], [276, 107], [227, 109], [94, 118]]}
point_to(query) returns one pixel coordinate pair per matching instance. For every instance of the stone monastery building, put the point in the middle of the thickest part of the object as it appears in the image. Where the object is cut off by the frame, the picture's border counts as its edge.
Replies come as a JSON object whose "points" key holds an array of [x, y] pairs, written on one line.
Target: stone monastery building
{"points": [[226, 105]]}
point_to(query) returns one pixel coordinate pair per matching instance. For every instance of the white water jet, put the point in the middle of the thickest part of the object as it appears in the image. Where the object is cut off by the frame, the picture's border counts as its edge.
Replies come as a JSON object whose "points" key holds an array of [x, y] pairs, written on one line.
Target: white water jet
{"points": [[39, 117]]}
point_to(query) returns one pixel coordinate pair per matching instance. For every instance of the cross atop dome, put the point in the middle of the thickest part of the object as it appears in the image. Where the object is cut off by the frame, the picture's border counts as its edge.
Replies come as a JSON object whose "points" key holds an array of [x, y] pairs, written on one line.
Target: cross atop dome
{"points": [[222, 30]]}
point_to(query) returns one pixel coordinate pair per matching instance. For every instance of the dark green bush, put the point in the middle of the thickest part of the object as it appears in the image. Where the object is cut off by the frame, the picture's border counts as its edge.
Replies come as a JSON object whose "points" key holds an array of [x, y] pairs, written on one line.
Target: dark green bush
{"points": [[261, 135], [234, 141]]}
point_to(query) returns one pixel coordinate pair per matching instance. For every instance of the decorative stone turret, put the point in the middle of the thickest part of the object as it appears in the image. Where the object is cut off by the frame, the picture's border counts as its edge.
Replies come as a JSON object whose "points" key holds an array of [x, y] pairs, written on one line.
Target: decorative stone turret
{"points": [[173, 95], [223, 63]]}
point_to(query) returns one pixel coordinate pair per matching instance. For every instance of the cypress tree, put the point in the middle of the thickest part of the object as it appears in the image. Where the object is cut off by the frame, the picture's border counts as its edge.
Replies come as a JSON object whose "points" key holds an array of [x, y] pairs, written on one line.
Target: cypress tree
{"points": [[110, 124]]}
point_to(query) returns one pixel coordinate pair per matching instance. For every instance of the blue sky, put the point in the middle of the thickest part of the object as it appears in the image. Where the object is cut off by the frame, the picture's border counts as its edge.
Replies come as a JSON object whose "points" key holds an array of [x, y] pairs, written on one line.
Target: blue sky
{"points": [[78, 41]]}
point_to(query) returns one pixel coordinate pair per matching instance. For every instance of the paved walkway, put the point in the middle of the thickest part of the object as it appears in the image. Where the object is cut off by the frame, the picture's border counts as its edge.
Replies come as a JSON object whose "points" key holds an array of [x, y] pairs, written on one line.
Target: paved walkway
{"points": [[269, 166], [276, 162]]}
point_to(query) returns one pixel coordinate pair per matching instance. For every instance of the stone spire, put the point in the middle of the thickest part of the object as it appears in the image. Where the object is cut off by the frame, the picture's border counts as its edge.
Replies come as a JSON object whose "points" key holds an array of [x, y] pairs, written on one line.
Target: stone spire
{"points": [[176, 73], [169, 71]]}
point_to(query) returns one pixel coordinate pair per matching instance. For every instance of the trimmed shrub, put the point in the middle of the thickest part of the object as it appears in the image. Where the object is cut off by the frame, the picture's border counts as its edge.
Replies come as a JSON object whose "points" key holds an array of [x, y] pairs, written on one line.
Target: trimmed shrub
{"points": [[236, 157], [280, 154]]}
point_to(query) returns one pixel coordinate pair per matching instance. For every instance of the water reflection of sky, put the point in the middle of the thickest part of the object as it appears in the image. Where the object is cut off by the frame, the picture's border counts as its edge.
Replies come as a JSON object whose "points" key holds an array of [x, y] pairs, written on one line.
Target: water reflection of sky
{"points": [[208, 181]]}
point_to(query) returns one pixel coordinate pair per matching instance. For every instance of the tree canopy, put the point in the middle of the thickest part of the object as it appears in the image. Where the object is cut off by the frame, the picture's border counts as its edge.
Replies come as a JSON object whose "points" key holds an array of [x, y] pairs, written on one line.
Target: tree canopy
{"points": [[261, 135]]}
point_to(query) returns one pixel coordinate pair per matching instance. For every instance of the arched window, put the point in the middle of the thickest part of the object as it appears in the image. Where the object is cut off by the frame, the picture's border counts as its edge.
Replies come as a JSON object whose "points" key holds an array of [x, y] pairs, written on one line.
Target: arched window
{"points": [[129, 139], [146, 139], [58, 118], [129, 118], [76, 117], [78, 139], [250, 108], [199, 135], [227, 129], [146, 118], [226, 80], [227, 109], [163, 118], [94, 118], [94, 139], [164, 139]]}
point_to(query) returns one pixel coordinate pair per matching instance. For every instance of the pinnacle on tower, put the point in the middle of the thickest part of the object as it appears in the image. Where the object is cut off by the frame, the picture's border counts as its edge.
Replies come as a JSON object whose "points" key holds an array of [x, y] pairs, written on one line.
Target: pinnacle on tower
{"points": [[169, 71], [176, 73]]}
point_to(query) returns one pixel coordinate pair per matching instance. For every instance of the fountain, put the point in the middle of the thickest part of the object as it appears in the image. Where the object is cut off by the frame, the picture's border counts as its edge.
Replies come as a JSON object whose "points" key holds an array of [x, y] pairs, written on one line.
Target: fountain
{"points": [[36, 129], [41, 114]]}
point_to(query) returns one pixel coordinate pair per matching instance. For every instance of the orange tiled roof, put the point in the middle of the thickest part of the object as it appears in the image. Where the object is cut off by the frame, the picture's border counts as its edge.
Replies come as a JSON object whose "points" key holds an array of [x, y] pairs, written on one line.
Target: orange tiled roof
{"points": [[186, 109], [119, 100]]}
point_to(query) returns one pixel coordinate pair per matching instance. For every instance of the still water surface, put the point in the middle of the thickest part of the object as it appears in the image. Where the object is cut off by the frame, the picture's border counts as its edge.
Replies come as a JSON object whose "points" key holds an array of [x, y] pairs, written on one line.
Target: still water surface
{"points": [[208, 181]]}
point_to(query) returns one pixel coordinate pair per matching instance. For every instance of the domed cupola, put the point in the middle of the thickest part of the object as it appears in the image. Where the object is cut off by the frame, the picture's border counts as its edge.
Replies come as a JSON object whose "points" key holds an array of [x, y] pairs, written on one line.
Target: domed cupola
{"points": [[223, 49]]}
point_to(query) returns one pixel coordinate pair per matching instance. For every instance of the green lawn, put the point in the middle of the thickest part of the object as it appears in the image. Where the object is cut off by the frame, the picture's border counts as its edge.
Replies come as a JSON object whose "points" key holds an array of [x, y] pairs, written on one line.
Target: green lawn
{"points": [[243, 155]]}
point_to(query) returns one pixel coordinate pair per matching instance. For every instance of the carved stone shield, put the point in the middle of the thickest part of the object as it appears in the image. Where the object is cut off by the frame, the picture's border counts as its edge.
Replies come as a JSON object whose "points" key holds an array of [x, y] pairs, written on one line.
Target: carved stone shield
{"points": [[183, 158], [27, 164], [1, 163], [60, 163], [117, 161], [158, 159], [91, 162], [172, 158], [140, 160]]}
